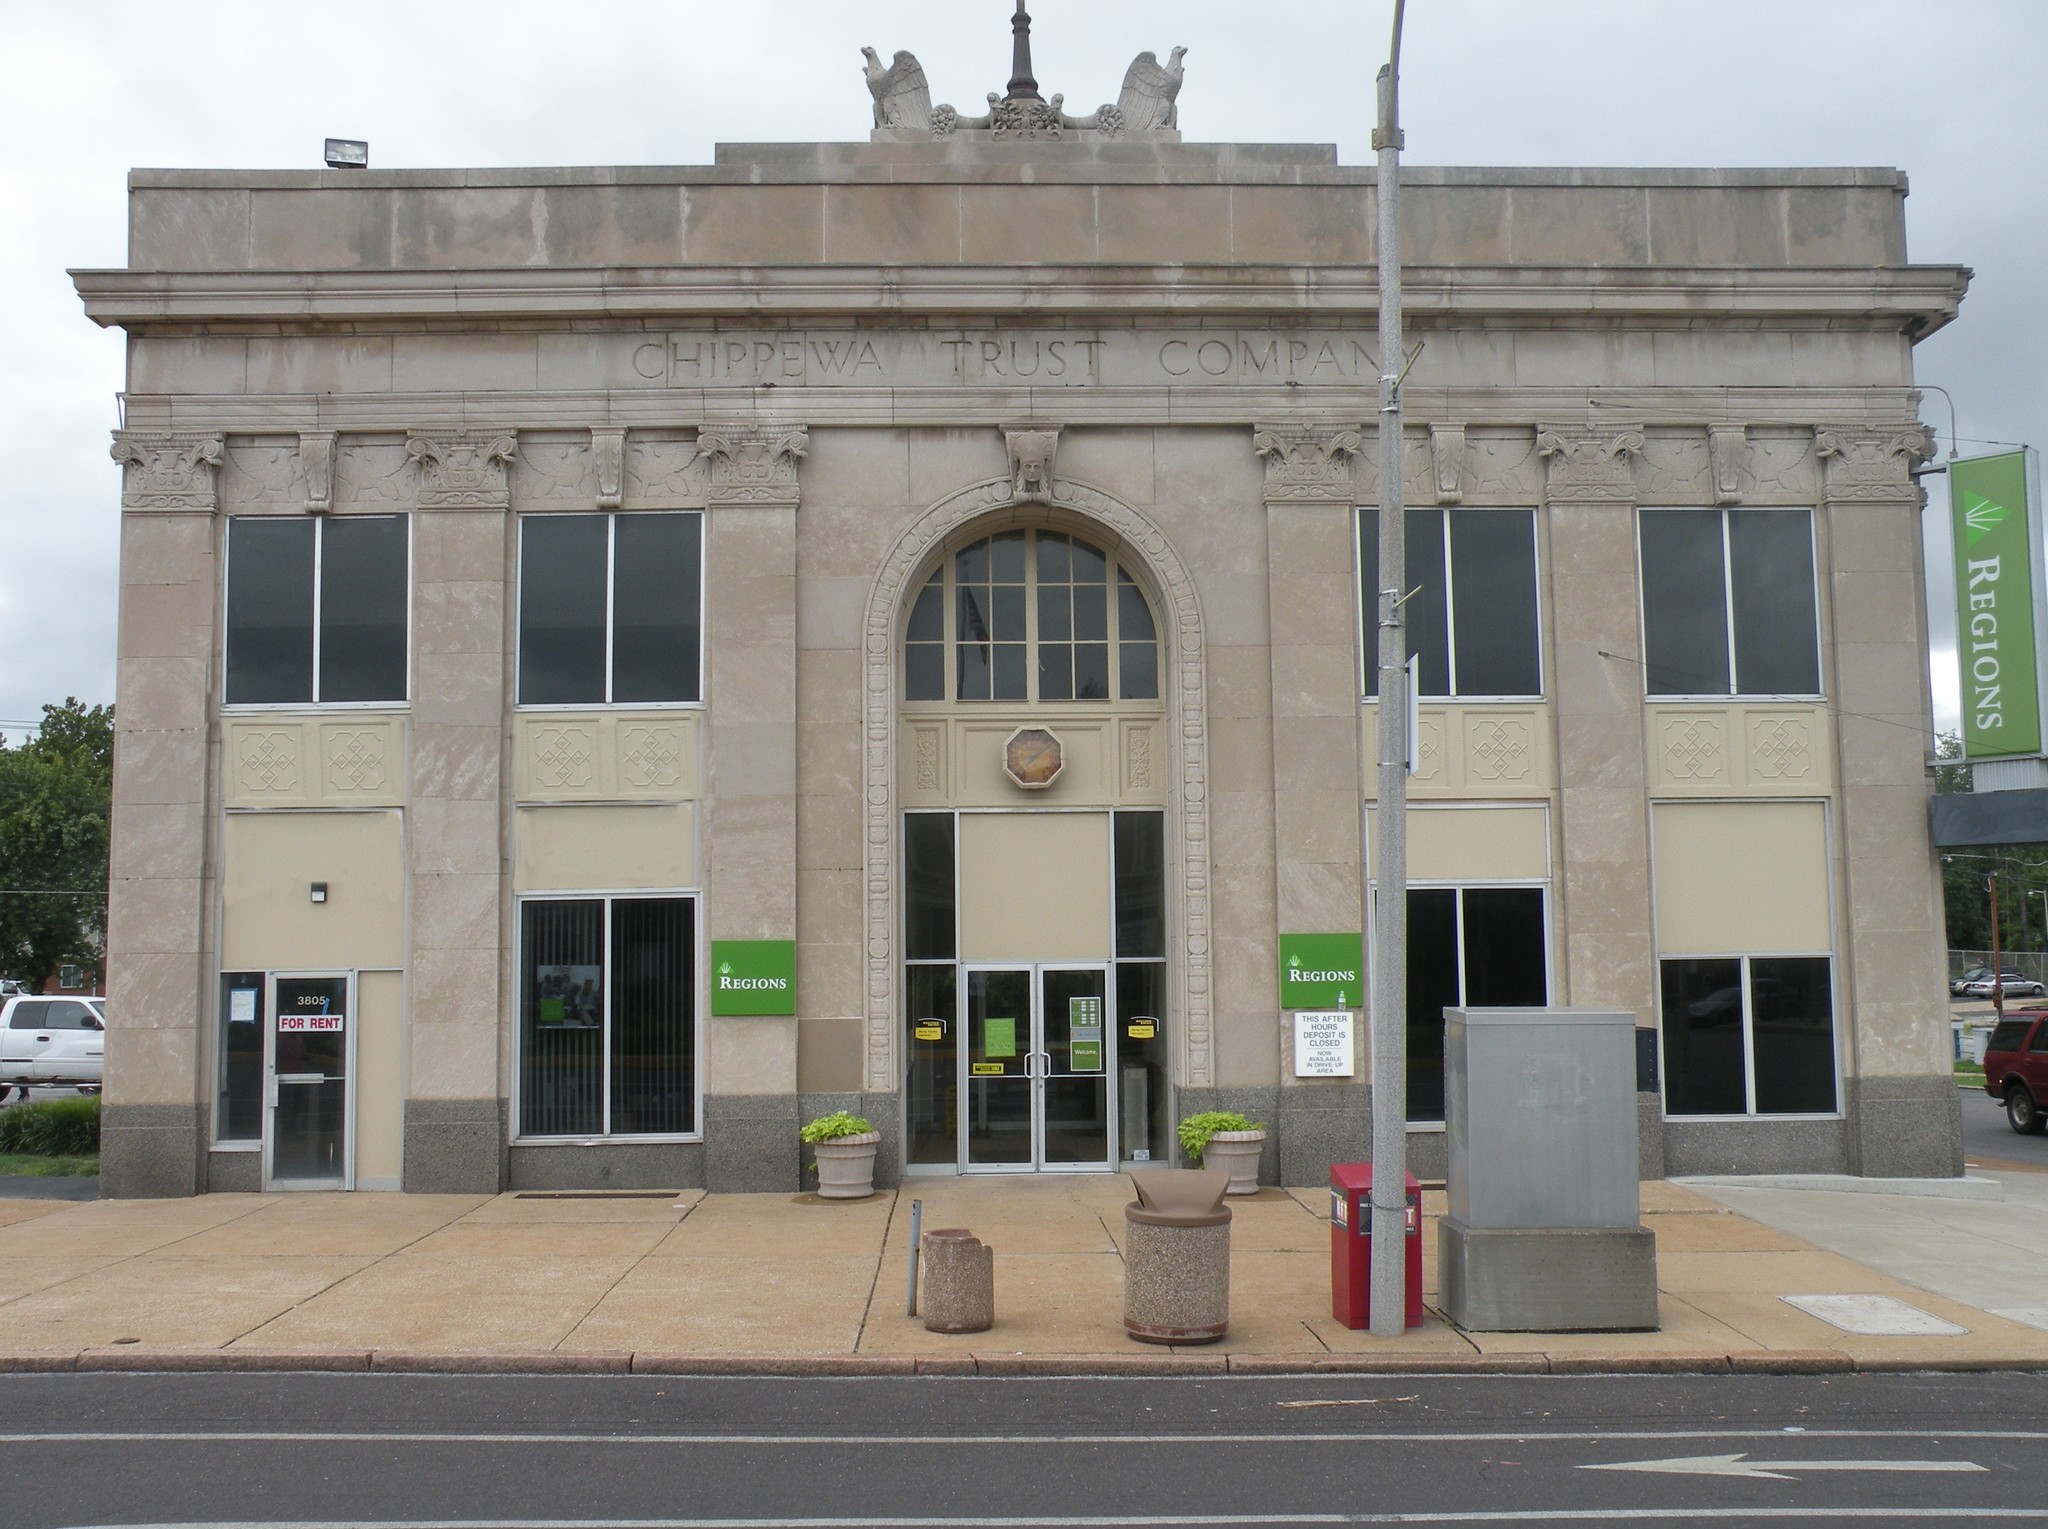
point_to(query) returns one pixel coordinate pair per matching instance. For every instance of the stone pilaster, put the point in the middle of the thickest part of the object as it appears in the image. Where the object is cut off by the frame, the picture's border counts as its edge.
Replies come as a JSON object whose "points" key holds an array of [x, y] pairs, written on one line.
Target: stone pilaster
{"points": [[1601, 895], [750, 807], [1313, 651], [1904, 1114], [454, 1122], [161, 882]]}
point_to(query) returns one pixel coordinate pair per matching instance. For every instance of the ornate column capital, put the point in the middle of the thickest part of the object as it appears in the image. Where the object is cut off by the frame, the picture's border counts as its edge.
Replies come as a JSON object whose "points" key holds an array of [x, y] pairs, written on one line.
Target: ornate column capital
{"points": [[754, 464], [169, 471], [1871, 461], [1031, 459], [1308, 464], [463, 471], [1590, 462], [608, 450]]}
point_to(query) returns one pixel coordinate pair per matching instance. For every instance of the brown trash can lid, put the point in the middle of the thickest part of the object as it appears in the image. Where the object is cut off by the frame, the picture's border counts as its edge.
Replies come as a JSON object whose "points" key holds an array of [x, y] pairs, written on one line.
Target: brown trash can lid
{"points": [[1179, 1197], [949, 1234]]}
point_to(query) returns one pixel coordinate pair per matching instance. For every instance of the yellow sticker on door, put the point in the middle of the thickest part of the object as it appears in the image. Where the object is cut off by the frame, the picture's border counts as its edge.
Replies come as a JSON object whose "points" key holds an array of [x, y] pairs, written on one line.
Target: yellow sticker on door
{"points": [[986, 1069]]}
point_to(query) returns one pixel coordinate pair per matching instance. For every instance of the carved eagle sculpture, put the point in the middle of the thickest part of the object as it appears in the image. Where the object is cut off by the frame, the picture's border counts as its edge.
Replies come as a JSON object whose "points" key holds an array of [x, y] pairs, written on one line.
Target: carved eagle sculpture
{"points": [[902, 98], [1149, 92]]}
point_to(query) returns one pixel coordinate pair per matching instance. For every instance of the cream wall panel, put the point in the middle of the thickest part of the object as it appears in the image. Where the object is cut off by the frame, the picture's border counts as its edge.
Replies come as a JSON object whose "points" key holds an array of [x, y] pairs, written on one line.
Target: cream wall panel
{"points": [[1034, 886], [1474, 843], [269, 920], [606, 756], [1484, 751], [1773, 750], [346, 760], [380, 1080], [1110, 759], [609, 848], [1740, 878]]}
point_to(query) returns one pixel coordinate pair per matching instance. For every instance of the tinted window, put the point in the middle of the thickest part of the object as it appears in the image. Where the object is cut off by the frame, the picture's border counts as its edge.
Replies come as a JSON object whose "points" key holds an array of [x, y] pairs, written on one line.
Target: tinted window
{"points": [[1770, 560], [2008, 1036], [363, 593], [1685, 611], [562, 580], [1471, 607], [1792, 1028], [67, 1015], [270, 612], [1703, 1038], [928, 886], [1140, 883], [28, 1015], [657, 581], [2040, 1041]]}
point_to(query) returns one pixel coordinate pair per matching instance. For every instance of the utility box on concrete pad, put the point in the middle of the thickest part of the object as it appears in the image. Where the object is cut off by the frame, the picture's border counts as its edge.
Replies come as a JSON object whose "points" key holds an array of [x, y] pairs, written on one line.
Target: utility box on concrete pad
{"points": [[1544, 1228]]}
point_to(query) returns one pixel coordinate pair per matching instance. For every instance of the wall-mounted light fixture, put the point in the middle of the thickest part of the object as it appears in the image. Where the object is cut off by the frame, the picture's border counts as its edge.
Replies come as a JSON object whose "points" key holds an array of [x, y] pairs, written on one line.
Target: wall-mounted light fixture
{"points": [[348, 154], [319, 891]]}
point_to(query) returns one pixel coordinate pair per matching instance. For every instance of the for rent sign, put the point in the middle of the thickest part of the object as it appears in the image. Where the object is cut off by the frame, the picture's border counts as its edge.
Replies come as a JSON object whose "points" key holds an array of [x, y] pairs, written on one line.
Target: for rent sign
{"points": [[1992, 523]]}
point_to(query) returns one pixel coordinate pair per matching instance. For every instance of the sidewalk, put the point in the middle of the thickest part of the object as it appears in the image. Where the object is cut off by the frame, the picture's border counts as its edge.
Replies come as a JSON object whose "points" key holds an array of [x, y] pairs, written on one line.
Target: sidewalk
{"points": [[781, 1283]]}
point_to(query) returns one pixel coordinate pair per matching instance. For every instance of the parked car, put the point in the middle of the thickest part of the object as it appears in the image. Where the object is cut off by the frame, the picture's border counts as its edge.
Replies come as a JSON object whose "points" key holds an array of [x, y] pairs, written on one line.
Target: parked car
{"points": [[2014, 984], [2016, 1068], [60, 1041], [1974, 974]]}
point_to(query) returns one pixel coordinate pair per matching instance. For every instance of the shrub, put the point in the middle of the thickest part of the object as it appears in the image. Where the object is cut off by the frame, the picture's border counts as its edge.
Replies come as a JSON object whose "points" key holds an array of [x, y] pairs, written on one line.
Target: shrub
{"points": [[835, 1125], [54, 1128], [1196, 1130]]}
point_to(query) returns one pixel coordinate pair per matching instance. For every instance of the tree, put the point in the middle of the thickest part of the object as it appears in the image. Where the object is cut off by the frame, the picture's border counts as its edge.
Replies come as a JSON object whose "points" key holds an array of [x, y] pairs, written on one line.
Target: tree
{"points": [[56, 794]]}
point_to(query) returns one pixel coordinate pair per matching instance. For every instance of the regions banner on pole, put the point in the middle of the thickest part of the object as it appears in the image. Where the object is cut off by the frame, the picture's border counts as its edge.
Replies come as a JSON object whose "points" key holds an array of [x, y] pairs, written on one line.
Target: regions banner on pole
{"points": [[1993, 524]]}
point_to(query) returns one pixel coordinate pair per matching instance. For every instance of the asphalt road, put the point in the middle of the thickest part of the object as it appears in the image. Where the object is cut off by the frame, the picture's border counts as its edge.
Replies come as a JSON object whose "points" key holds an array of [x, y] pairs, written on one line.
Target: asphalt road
{"points": [[1986, 1134], [837, 1453]]}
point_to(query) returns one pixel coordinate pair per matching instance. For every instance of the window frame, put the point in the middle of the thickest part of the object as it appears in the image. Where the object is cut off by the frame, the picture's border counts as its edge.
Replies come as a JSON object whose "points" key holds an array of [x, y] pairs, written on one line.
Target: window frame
{"points": [[1734, 693], [1119, 569], [1750, 1111], [611, 544], [700, 1006], [320, 523], [1368, 604]]}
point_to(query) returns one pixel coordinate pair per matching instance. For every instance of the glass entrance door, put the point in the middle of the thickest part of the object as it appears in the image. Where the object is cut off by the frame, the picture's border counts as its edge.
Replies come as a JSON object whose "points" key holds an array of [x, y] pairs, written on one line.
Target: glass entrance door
{"points": [[306, 1137], [1036, 1060]]}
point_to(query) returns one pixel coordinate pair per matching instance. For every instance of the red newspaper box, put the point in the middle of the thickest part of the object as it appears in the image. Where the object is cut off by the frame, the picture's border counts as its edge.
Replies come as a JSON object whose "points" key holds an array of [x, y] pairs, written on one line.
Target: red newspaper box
{"points": [[1351, 1245]]}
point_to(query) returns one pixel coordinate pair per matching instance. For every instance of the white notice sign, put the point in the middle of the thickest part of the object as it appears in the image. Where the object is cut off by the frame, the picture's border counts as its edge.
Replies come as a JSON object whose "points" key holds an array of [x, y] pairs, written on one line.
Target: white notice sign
{"points": [[1322, 1043]]}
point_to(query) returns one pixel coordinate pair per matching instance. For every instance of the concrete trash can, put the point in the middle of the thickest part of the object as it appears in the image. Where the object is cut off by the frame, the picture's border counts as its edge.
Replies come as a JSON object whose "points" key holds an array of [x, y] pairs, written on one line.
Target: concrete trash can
{"points": [[1177, 1256], [958, 1289]]}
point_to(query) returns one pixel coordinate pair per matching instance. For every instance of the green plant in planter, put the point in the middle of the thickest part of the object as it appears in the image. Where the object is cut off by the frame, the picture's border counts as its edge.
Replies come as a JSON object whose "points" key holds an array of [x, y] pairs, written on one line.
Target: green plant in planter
{"points": [[833, 1126], [1195, 1130]]}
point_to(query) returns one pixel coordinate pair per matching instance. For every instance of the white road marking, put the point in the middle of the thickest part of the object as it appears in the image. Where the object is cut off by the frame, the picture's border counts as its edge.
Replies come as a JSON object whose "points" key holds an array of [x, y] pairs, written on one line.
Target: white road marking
{"points": [[1134, 1521], [1774, 1470]]}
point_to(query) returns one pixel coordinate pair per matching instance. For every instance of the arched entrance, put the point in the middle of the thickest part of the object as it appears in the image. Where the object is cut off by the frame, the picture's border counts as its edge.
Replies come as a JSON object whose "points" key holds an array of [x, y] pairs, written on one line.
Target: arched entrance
{"points": [[1037, 861]]}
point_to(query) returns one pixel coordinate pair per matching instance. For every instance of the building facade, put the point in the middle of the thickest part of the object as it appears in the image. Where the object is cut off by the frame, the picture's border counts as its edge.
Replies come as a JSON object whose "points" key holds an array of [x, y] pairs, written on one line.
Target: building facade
{"points": [[614, 662]]}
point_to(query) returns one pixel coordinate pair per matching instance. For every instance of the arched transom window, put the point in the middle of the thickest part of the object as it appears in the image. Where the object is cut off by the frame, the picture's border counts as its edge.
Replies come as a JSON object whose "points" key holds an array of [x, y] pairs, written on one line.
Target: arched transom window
{"points": [[1030, 616]]}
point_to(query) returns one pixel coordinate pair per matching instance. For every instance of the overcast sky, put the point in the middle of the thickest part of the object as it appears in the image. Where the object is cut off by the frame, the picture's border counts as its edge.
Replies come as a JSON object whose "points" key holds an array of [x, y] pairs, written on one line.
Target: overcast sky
{"points": [[1948, 90]]}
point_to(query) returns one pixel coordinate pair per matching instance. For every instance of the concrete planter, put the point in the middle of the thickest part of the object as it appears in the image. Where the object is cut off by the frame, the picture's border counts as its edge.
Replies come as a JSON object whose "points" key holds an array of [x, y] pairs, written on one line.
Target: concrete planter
{"points": [[846, 1166], [1237, 1154]]}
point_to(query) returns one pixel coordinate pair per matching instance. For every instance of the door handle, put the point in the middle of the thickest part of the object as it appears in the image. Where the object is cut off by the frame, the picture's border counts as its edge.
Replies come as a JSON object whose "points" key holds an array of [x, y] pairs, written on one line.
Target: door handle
{"points": [[42, 1037]]}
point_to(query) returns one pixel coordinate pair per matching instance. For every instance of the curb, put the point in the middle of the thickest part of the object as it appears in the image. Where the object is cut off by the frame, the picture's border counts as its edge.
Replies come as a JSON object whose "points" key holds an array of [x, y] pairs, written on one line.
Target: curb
{"points": [[1044, 1366]]}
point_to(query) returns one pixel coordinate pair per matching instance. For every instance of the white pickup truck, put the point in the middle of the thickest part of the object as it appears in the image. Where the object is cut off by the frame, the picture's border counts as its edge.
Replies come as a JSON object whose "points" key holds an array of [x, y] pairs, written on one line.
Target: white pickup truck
{"points": [[59, 1041]]}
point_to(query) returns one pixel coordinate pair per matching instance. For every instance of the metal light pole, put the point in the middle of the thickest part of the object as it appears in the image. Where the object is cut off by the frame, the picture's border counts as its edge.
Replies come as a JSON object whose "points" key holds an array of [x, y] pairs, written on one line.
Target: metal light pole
{"points": [[1388, 1302]]}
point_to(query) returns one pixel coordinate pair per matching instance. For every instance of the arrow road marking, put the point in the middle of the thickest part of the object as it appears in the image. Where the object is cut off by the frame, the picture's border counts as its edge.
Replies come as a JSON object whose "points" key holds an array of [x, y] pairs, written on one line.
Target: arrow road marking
{"points": [[1774, 1470]]}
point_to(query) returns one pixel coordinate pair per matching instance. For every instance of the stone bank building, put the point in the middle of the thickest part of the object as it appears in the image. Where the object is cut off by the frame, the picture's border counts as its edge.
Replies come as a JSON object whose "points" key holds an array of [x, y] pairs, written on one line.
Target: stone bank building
{"points": [[614, 662]]}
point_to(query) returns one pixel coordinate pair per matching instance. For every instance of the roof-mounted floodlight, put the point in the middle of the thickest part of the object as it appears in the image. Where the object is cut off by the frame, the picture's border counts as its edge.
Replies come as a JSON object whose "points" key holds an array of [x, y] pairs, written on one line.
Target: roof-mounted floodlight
{"points": [[348, 154]]}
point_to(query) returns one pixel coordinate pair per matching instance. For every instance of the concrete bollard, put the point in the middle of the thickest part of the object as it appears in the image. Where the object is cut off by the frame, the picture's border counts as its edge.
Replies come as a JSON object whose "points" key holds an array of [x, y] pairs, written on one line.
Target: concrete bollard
{"points": [[1177, 1256], [959, 1293]]}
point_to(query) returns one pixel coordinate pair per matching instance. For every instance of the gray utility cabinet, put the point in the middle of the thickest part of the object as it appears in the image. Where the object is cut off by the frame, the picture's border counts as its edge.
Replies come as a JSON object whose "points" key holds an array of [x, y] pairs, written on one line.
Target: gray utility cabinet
{"points": [[1544, 1231]]}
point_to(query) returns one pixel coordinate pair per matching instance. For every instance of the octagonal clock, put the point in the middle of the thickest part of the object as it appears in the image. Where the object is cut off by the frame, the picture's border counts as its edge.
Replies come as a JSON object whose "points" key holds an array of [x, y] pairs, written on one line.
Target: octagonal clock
{"points": [[1032, 758]]}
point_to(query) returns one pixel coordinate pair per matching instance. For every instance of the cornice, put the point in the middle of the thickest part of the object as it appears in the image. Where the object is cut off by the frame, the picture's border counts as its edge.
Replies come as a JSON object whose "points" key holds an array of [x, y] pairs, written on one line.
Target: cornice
{"points": [[1915, 300]]}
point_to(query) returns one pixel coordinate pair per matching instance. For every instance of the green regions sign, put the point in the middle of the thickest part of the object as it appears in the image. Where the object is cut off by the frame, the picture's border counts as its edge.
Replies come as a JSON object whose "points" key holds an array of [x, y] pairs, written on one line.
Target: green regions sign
{"points": [[1991, 522], [1322, 971], [753, 976]]}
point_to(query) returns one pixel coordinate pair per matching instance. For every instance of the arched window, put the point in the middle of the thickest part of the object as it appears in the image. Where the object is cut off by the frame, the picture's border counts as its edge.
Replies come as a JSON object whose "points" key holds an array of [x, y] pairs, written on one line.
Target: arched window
{"points": [[1030, 616]]}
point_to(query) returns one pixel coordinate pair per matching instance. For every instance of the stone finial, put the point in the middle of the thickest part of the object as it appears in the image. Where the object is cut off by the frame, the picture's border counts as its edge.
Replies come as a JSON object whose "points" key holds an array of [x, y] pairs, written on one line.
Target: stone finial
{"points": [[1590, 462], [1308, 463], [1023, 87], [1871, 462], [1447, 456], [463, 471], [168, 471], [753, 464], [1728, 457], [1031, 458], [316, 459], [608, 450]]}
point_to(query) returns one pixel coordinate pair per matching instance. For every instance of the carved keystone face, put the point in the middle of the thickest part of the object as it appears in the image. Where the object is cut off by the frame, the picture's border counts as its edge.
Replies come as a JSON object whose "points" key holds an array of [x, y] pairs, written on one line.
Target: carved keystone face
{"points": [[1032, 758]]}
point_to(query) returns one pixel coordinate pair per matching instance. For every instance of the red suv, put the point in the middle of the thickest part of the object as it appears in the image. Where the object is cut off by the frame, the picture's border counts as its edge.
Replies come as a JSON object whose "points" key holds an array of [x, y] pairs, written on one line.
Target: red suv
{"points": [[2016, 1068]]}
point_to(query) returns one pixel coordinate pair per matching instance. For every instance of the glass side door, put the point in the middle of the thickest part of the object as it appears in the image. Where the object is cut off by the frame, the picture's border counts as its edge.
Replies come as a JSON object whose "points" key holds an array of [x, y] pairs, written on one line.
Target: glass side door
{"points": [[998, 1127], [306, 1136], [1077, 1047]]}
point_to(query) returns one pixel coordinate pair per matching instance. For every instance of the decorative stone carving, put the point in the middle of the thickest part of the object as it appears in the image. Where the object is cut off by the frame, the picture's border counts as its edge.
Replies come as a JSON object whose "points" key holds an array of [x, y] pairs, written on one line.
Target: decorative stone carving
{"points": [[1742, 749], [1694, 748], [463, 472], [267, 762], [1185, 703], [355, 761], [1447, 456], [1862, 462], [930, 745], [903, 100], [316, 461], [1728, 449], [608, 450], [1499, 749], [372, 475], [1309, 463], [1780, 748], [553, 473], [653, 755], [260, 475], [168, 471], [1031, 458], [1025, 119], [1503, 466], [1590, 463], [1149, 100], [605, 756], [1138, 759], [282, 760], [1782, 466], [754, 464], [664, 473], [1672, 468], [564, 758]]}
